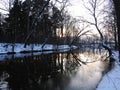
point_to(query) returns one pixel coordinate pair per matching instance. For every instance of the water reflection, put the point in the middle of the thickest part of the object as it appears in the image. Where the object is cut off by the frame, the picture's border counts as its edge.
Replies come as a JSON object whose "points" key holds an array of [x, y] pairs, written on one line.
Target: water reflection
{"points": [[87, 76], [60, 71]]}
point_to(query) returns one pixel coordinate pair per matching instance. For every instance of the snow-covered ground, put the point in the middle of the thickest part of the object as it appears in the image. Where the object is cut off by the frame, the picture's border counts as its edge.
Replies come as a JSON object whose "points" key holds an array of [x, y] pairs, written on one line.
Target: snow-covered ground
{"points": [[6, 48], [111, 80]]}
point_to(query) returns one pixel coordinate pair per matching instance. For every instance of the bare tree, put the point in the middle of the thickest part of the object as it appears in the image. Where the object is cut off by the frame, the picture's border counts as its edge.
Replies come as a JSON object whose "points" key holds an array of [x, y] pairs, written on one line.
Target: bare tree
{"points": [[74, 29], [117, 8], [110, 24], [82, 31], [94, 9]]}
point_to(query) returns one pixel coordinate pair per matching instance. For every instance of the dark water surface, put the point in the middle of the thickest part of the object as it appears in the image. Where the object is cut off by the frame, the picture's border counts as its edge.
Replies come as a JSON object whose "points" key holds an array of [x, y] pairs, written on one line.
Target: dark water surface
{"points": [[57, 71]]}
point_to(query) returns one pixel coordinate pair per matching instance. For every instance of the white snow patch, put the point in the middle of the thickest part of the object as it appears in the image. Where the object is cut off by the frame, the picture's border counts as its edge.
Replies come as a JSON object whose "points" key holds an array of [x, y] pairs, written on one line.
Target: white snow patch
{"points": [[7, 47], [111, 80], [3, 85], [48, 48]]}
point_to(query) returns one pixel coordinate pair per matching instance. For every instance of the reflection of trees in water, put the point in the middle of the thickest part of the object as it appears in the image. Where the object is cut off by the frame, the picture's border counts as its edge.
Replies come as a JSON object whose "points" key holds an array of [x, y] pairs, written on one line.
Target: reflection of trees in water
{"points": [[44, 72], [2, 67], [71, 65], [92, 49], [32, 72]]}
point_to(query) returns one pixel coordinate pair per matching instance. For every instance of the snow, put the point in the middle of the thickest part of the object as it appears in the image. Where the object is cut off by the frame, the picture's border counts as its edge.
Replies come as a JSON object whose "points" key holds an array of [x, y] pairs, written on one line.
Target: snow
{"points": [[6, 48], [111, 80], [3, 85]]}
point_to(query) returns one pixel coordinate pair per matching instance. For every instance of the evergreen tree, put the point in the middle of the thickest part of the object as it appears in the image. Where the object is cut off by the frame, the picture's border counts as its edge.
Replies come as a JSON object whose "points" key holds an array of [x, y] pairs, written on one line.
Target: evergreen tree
{"points": [[15, 20], [33, 15]]}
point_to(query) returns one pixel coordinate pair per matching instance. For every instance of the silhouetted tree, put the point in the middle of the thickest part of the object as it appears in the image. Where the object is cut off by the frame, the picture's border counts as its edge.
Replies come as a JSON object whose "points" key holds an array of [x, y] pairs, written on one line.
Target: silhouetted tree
{"points": [[95, 4], [110, 24], [15, 21], [117, 8]]}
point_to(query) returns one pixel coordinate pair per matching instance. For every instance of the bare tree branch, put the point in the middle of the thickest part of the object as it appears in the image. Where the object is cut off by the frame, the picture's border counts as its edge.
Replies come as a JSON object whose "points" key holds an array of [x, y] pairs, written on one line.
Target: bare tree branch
{"points": [[82, 32]]}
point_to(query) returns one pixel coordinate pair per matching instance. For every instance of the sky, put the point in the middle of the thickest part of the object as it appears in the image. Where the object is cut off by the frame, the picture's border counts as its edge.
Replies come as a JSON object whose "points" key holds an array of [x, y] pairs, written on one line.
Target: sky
{"points": [[77, 10], [74, 8]]}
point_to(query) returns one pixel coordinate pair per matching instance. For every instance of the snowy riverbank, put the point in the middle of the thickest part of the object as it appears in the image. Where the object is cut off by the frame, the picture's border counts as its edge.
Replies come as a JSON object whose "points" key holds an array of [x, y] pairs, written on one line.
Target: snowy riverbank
{"points": [[8, 47], [21, 51], [111, 80]]}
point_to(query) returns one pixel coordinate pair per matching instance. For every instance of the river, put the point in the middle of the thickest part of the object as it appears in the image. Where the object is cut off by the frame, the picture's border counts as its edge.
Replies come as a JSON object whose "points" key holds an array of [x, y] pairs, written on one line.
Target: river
{"points": [[56, 71]]}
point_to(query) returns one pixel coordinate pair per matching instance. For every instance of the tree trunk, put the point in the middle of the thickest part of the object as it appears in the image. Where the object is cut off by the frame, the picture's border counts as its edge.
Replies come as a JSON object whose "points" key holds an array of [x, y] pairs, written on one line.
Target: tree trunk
{"points": [[117, 9]]}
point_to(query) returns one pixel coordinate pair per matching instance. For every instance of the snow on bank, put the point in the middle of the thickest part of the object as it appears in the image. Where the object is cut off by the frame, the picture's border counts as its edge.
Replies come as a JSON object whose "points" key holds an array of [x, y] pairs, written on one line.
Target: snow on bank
{"points": [[111, 81], [6, 48]]}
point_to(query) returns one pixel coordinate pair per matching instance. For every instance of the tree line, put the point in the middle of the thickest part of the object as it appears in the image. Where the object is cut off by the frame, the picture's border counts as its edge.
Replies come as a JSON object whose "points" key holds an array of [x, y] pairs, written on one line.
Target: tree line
{"points": [[42, 21], [32, 21]]}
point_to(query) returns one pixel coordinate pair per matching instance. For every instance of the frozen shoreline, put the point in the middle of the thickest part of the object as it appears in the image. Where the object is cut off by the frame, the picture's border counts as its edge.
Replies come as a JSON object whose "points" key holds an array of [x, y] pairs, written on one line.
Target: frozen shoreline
{"points": [[6, 51], [111, 80], [18, 48]]}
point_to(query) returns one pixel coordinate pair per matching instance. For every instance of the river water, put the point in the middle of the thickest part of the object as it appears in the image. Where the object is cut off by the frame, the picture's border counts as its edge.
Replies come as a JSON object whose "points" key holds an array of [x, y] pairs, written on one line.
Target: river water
{"points": [[56, 71]]}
